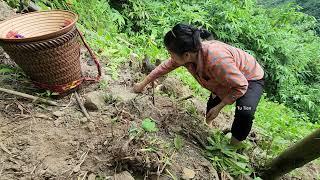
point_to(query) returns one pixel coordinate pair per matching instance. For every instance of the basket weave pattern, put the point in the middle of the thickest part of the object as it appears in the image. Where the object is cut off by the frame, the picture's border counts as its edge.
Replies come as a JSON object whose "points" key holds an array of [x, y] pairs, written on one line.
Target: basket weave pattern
{"points": [[54, 62], [49, 52]]}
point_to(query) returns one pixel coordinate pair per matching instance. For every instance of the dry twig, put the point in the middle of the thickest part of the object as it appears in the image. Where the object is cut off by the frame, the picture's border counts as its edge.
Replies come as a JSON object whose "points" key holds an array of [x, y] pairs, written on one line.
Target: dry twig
{"points": [[34, 98], [83, 109]]}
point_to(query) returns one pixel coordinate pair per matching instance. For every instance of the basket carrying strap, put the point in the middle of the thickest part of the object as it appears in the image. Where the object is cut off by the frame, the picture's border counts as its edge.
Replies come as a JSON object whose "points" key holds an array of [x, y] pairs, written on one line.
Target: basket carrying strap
{"points": [[93, 56], [66, 87]]}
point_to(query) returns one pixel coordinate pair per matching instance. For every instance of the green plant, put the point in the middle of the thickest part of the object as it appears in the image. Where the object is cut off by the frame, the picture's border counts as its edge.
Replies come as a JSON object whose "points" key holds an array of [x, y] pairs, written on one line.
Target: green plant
{"points": [[225, 158], [149, 125], [282, 39], [13, 3], [46, 93], [178, 142], [5, 69], [280, 127]]}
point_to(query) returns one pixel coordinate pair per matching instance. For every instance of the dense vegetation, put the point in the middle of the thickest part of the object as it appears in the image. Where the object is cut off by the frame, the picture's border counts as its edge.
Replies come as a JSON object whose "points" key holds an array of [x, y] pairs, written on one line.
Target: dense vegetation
{"points": [[282, 39], [310, 7]]}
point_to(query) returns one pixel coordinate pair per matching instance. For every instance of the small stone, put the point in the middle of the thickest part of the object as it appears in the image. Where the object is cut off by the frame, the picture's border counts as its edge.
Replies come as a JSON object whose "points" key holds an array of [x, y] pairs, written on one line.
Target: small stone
{"points": [[106, 142], [109, 135], [92, 176], [42, 116], [91, 146], [99, 148], [57, 122], [134, 56], [91, 127], [122, 93], [83, 120], [125, 175], [94, 100], [77, 168], [58, 113], [188, 174]]}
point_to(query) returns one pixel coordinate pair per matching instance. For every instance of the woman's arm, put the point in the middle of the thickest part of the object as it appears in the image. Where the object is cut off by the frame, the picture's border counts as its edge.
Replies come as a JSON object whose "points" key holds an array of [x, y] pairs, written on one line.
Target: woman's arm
{"points": [[160, 70]]}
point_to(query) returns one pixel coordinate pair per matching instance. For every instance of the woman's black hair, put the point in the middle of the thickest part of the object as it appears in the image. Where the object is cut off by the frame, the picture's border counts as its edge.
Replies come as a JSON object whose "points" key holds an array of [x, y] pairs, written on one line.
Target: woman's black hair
{"points": [[185, 38]]}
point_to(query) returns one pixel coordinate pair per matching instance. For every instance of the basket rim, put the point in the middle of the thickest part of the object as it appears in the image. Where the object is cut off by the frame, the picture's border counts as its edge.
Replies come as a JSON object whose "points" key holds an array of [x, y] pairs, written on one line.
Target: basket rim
{"points": [[42, 37]]}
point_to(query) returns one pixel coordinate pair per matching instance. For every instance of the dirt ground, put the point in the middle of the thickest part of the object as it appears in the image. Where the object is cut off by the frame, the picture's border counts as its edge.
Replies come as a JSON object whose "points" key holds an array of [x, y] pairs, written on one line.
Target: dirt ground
{"points": [[47, 142], [44, 142]]}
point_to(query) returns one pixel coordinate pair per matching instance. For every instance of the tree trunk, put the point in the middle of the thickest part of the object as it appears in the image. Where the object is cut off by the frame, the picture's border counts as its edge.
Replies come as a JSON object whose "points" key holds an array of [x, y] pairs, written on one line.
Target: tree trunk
{"points": [[303, 152]]}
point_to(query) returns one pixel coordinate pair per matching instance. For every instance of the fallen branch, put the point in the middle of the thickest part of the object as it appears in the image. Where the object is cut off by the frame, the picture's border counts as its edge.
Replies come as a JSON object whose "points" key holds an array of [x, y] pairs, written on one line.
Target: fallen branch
{"points": [[83, 109], [33, 98]]}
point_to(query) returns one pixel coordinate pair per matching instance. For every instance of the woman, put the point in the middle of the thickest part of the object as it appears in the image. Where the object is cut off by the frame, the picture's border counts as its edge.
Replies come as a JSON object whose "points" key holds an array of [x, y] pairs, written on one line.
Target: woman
{"points": [[231, 74]]}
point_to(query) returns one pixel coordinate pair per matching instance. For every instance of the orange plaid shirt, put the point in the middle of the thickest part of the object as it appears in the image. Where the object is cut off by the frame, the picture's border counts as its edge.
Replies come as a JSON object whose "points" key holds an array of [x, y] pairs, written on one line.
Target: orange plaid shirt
{"points": [[222, 69]]}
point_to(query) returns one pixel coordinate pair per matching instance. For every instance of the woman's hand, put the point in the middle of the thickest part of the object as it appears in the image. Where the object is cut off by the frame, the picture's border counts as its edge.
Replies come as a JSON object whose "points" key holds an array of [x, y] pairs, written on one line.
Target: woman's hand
{"points": [[213, 113], [138, 87]]}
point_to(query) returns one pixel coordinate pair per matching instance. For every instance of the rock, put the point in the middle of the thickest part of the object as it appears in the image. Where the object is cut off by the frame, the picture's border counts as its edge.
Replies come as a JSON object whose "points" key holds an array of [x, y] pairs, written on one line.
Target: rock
{"points": [[122, 93], [109, 135], [58, 122], [58, 113], [92, 176], [91, 127], [42, 116], [125, 175], [77, 168], [173, 86], [83, 120], [99, 148], [106, 142], [94, 100], [188, 174]]}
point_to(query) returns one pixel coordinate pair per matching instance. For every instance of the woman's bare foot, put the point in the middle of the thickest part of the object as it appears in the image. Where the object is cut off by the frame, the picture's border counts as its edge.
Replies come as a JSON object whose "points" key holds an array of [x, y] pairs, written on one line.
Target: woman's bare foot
{"points": [[234, 141]]}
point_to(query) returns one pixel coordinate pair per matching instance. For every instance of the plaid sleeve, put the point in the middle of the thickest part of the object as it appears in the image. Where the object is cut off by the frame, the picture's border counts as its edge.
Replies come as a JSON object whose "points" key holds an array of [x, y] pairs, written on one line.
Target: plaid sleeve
{"points": [[163, 69], [228, 74]]}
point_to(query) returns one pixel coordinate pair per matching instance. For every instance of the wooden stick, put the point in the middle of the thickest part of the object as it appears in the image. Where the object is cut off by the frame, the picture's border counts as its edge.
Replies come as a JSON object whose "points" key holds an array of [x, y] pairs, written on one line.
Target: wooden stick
{"points": [[34, 98], [83, 109], [153, 102], [185, 98]]}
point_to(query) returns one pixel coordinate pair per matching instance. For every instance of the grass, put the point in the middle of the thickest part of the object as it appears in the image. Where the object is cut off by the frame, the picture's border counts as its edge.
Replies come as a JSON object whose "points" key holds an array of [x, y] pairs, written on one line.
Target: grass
{"points": [[281, 126]]}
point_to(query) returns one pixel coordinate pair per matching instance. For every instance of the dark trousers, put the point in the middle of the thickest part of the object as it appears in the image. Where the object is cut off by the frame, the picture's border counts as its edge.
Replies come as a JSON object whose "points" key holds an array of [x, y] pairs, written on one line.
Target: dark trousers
{"points": [[245, 109]]}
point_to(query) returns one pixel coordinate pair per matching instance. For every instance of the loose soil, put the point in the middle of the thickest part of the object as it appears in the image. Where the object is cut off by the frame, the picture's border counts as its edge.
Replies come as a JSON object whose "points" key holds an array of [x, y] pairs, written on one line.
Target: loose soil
{"points": [[46, 142]]}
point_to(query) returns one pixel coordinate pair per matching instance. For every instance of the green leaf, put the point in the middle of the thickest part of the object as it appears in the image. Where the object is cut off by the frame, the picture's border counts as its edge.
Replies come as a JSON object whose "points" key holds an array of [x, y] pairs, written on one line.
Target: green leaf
{"points": [[149, 125], [5, 70], [178, 142]]}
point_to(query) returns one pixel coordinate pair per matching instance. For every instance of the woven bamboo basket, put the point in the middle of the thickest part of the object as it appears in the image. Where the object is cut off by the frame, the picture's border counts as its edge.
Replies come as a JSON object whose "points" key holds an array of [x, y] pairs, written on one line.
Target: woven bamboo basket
{"points": [[46, 46]]}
